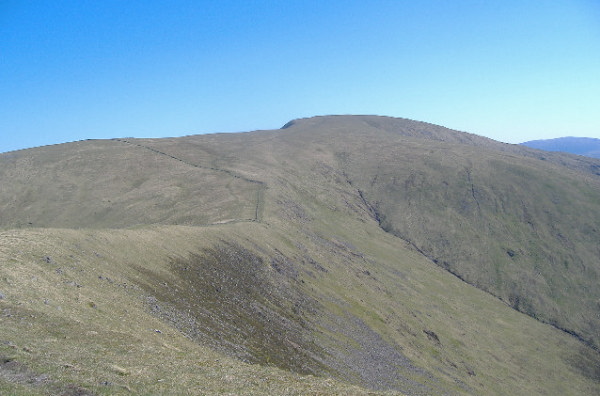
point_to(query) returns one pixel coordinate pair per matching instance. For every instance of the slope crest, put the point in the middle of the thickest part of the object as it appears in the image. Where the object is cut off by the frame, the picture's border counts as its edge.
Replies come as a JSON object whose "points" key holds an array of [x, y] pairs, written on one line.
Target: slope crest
{"points": [[117, 184]]}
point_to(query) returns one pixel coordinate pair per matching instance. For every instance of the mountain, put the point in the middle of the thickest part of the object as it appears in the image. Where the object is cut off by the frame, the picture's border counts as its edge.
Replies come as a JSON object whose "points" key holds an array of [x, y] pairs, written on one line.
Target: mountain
{"points": [[588, 147], [337, 255]]}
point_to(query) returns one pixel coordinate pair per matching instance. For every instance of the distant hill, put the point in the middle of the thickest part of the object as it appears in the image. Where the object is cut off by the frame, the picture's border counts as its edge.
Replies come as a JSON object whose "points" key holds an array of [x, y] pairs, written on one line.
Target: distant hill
{"points": [[337, 255], [588, 147]]}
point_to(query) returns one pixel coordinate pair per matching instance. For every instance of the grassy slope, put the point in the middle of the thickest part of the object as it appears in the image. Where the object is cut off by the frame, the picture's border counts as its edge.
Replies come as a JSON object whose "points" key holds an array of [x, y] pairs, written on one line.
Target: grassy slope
{"points": [[116, 184], [525, 229], [332, 293], [75, 314], [85, 318]]}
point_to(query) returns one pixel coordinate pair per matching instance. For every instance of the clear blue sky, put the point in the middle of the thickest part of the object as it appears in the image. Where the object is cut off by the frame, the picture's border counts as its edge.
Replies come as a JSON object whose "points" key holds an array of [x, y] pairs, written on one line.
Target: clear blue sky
{"points": [[512, 70]]}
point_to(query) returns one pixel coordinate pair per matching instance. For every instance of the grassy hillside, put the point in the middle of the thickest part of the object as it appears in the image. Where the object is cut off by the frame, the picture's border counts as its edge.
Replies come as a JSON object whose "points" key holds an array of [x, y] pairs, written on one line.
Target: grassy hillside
{"points": [[107, 311], [523, 229], [272, 261], [79, 317], [117, 184]]}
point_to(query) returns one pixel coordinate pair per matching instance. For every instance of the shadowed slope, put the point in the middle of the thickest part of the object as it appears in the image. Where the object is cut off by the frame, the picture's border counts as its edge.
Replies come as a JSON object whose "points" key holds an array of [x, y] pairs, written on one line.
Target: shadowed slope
{"points": [[524, 229]]}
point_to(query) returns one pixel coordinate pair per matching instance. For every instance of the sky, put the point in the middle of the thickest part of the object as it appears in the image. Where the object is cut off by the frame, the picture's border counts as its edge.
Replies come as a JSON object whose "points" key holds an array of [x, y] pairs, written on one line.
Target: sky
{"points": [[511, 70]]}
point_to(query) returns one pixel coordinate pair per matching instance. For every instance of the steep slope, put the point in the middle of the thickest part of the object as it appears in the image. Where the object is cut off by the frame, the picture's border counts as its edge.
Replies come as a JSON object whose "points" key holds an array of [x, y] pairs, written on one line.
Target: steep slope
{"points": [[588, 147], [79, 315], [317, 262], [112, 312], [524, 229]]}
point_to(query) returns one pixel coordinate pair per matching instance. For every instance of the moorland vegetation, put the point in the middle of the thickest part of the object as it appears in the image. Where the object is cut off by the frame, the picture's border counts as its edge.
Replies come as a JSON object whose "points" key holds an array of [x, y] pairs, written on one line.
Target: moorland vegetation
{"points": [[337, 255]]}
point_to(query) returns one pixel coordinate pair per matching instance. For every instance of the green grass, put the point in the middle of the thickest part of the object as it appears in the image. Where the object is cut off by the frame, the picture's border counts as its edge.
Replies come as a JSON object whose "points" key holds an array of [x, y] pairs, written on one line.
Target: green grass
{"points": [[83, 319], [465, 208], [260, 260], [105, 332]]}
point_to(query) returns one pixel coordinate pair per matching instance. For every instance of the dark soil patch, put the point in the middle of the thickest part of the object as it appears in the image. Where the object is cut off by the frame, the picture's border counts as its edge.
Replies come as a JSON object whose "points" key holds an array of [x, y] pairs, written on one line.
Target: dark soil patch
{"points": [[233, 300]]}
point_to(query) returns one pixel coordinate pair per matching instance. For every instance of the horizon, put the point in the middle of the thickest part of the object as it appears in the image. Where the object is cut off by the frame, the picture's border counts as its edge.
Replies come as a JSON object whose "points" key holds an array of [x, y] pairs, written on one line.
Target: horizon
{"points": [[274, 129], [512, 72]]}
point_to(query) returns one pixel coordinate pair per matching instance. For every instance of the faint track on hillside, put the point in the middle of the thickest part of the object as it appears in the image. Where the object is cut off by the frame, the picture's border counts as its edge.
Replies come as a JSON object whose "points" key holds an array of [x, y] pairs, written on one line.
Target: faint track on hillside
{"points": [[261, 186]]}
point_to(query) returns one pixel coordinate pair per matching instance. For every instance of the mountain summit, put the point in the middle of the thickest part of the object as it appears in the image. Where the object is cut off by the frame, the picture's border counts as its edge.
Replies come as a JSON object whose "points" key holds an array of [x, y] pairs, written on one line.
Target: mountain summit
{"points": [[337, 255]]}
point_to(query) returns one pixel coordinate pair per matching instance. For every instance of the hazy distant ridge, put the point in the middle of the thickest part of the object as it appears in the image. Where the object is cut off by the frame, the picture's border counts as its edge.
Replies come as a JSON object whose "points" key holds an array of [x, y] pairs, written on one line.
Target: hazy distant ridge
{"points": [[589, 147]]}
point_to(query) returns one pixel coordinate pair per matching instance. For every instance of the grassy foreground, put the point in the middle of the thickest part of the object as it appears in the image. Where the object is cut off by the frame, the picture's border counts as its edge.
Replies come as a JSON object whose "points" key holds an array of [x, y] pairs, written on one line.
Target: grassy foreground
{"points": [[74, 320], [77, 318]]}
